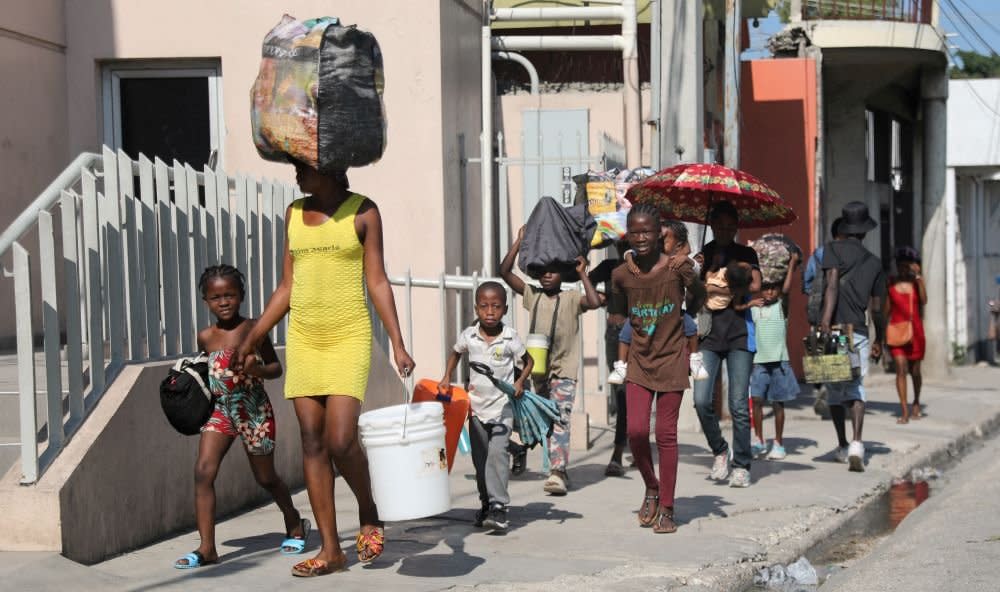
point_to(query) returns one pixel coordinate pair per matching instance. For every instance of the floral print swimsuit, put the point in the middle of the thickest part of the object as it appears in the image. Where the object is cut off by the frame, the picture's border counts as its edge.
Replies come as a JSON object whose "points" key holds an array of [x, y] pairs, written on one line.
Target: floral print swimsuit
{"points": [[242, 407]]}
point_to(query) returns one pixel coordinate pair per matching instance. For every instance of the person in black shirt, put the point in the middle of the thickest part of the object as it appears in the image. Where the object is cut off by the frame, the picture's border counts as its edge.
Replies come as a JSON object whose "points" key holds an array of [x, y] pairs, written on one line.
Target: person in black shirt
{"points": [[855, 284], [730, 338], [616, 318]]}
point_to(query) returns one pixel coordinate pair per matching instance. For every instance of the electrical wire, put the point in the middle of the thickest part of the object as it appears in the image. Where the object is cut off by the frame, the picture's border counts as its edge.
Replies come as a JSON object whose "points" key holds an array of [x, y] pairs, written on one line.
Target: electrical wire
{"points": [[954, 62], [981, 17], [971, 28]]}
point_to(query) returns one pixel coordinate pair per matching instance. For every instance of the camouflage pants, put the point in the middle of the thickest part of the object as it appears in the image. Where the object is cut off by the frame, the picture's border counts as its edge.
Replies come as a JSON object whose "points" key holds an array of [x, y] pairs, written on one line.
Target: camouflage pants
{"points": [[561, 391]]}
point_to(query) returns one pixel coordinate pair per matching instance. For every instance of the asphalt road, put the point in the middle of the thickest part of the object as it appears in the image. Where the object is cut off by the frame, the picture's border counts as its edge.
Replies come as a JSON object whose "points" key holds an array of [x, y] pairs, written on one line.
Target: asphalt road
{"points": [[950, 542]]}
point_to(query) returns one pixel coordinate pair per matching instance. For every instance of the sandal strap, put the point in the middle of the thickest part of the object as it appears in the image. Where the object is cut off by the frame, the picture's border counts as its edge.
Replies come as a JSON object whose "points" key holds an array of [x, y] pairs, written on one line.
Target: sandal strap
{"points": [[373, 541], [665, 514], [311, 564]]}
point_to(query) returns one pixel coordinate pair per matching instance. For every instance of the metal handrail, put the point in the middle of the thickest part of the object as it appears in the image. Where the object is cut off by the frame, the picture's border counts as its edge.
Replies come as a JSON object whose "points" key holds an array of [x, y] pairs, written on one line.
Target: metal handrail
{"points": [[68, 179], [47, 198], [123, 288]]}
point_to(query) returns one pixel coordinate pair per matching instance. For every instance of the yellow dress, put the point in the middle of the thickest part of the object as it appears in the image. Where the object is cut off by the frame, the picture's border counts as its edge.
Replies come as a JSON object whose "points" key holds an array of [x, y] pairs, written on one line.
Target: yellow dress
{"points": [[329, 330]]}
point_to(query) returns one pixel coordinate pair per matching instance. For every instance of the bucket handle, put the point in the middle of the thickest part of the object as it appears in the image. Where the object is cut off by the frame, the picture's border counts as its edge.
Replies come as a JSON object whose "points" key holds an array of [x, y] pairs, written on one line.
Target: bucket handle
{"points": [[407, 401]]}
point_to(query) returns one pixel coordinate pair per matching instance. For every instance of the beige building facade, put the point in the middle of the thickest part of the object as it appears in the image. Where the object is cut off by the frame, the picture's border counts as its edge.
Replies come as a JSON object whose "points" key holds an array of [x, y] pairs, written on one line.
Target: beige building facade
{"points": [[71, 69]]}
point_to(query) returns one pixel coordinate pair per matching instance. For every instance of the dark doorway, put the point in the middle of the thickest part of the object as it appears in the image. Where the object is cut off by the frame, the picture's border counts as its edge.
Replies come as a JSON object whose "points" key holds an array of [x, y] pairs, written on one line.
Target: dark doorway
{"points": [[166, 118]]}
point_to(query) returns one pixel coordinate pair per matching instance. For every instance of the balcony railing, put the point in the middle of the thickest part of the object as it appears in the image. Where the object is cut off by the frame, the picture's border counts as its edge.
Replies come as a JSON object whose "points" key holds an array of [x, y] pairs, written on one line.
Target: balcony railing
{"points": [[908, 11]]}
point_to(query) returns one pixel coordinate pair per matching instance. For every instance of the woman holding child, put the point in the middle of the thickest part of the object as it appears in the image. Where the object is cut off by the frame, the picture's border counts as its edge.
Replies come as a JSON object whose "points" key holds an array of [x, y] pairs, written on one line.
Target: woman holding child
{"points": [[657, 359], [732, 273], [333, 251]]}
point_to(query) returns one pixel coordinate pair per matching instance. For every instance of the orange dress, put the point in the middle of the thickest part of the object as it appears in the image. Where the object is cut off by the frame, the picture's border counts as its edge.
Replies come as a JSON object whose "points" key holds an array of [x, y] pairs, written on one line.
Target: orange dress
{"points": [[906, 307]]}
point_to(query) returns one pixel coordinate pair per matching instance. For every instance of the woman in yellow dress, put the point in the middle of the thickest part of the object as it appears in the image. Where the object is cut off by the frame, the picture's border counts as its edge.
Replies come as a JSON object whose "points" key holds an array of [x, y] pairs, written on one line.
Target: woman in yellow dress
{"points": [[333, 249]]}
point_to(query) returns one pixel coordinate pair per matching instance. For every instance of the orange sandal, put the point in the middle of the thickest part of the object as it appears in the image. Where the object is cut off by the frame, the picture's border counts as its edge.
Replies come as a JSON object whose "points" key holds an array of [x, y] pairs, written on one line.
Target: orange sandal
{"points": [[371, 545], [317, 567]]}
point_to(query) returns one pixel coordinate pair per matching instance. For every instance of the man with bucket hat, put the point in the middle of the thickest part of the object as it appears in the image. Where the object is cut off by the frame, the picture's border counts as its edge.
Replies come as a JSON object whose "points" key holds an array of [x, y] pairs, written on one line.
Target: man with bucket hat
{"points": [[855, 284]]}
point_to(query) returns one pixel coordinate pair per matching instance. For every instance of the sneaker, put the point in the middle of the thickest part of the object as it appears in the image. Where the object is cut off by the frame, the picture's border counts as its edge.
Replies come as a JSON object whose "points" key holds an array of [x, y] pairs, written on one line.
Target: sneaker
{"points": [[856, 457], [758, 449], [519, 458], [556, 483], [698, 371], [617, 375], [720, 468], [777, 452], [840, 454], [740, 478], [497, 518], [481, 515]]}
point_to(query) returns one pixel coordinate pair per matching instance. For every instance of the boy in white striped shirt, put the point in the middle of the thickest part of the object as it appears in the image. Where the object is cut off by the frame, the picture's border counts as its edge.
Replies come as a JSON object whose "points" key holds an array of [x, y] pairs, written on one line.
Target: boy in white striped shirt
{"points": [[772, 378]]}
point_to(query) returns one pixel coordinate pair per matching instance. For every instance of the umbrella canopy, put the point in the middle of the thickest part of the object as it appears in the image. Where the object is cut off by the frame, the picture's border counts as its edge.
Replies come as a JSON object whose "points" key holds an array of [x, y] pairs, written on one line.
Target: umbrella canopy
{"points": [[534, 415], [687, 192]]}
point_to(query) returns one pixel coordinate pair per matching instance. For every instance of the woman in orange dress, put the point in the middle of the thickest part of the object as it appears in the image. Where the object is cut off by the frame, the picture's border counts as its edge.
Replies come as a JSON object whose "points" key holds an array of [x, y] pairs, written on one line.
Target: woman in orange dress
{"points": [[907, 296]]}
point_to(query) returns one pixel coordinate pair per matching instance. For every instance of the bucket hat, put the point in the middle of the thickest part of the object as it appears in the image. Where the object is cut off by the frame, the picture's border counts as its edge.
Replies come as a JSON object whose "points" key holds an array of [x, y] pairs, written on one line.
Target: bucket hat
{"points": [[855, 219]]}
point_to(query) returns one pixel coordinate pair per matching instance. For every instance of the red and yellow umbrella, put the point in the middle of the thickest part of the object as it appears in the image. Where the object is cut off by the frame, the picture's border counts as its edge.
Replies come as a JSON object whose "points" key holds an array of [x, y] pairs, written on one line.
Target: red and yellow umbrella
{"points": [[686, 192]]}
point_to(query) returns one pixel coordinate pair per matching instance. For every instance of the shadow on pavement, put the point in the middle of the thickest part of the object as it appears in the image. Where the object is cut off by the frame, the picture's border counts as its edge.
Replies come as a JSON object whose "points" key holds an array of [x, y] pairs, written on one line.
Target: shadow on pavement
{"points": [[582, 476], [761, 469], [264, 542], [691, 454], [230, 563], [443, 565], [690, 509], [888, 408], [408, 541], [795, 445]]}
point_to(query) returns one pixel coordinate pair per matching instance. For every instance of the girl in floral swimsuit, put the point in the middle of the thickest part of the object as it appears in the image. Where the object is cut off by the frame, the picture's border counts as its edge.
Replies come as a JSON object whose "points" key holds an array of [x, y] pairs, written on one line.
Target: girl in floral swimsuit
{"points": [[241, 409]]}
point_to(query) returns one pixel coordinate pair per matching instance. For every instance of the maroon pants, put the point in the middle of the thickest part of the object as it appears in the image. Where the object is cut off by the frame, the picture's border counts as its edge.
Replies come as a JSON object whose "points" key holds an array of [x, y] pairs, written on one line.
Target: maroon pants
{"points": [[639, 401]]}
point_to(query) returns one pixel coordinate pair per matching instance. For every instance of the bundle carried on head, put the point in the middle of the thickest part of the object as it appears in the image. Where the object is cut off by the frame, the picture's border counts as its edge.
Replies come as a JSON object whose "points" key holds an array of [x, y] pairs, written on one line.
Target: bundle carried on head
{"points": [[555, 236], [604, 194], [318, 96], [774, 252]]}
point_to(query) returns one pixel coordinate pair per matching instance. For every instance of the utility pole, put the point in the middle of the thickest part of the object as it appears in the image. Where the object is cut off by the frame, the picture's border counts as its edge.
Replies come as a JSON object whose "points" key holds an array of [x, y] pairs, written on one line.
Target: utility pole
{"points": [[682, 99], [733, 45]]}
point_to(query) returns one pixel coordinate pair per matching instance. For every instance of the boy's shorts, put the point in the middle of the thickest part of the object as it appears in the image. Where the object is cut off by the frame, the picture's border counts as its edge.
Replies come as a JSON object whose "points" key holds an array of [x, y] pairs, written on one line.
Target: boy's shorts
{"points": [[625, 335], [774, 382], [690, 329], [690, 326], [838, 393]]}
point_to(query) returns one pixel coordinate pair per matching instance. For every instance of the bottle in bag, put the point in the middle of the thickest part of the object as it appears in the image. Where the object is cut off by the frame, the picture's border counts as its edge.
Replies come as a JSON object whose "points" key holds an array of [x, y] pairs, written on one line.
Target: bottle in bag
{"points": [[842, 344]]}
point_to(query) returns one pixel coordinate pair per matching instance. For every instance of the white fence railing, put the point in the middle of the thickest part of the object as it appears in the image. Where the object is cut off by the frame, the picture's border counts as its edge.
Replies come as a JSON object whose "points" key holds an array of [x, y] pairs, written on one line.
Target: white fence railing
{"points": [[117, 266], [456, 292]]}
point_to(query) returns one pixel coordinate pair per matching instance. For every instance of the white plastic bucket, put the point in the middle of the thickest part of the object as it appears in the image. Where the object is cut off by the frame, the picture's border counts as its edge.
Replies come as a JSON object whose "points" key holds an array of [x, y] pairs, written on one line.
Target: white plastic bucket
{"points": [[409, 468]]}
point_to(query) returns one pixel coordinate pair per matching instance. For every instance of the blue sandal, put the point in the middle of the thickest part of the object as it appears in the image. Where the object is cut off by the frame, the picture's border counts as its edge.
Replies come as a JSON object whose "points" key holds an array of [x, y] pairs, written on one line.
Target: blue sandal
{"points": [[295, 545], [194, 559]]}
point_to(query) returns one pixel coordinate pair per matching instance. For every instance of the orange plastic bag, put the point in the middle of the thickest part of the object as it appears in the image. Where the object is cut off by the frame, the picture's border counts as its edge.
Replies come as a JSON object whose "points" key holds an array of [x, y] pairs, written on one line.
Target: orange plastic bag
{"points": [[456, 411]]}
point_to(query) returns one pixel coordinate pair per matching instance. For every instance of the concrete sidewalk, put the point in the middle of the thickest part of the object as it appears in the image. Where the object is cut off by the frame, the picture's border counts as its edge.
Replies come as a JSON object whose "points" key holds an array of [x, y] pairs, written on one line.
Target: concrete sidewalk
{"points": [[588, 540]]}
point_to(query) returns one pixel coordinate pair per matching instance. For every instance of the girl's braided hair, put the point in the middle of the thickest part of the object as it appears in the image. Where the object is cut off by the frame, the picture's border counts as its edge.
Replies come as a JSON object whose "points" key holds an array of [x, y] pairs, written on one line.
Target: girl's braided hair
{"points": [[646, 210], [223, 271]]}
